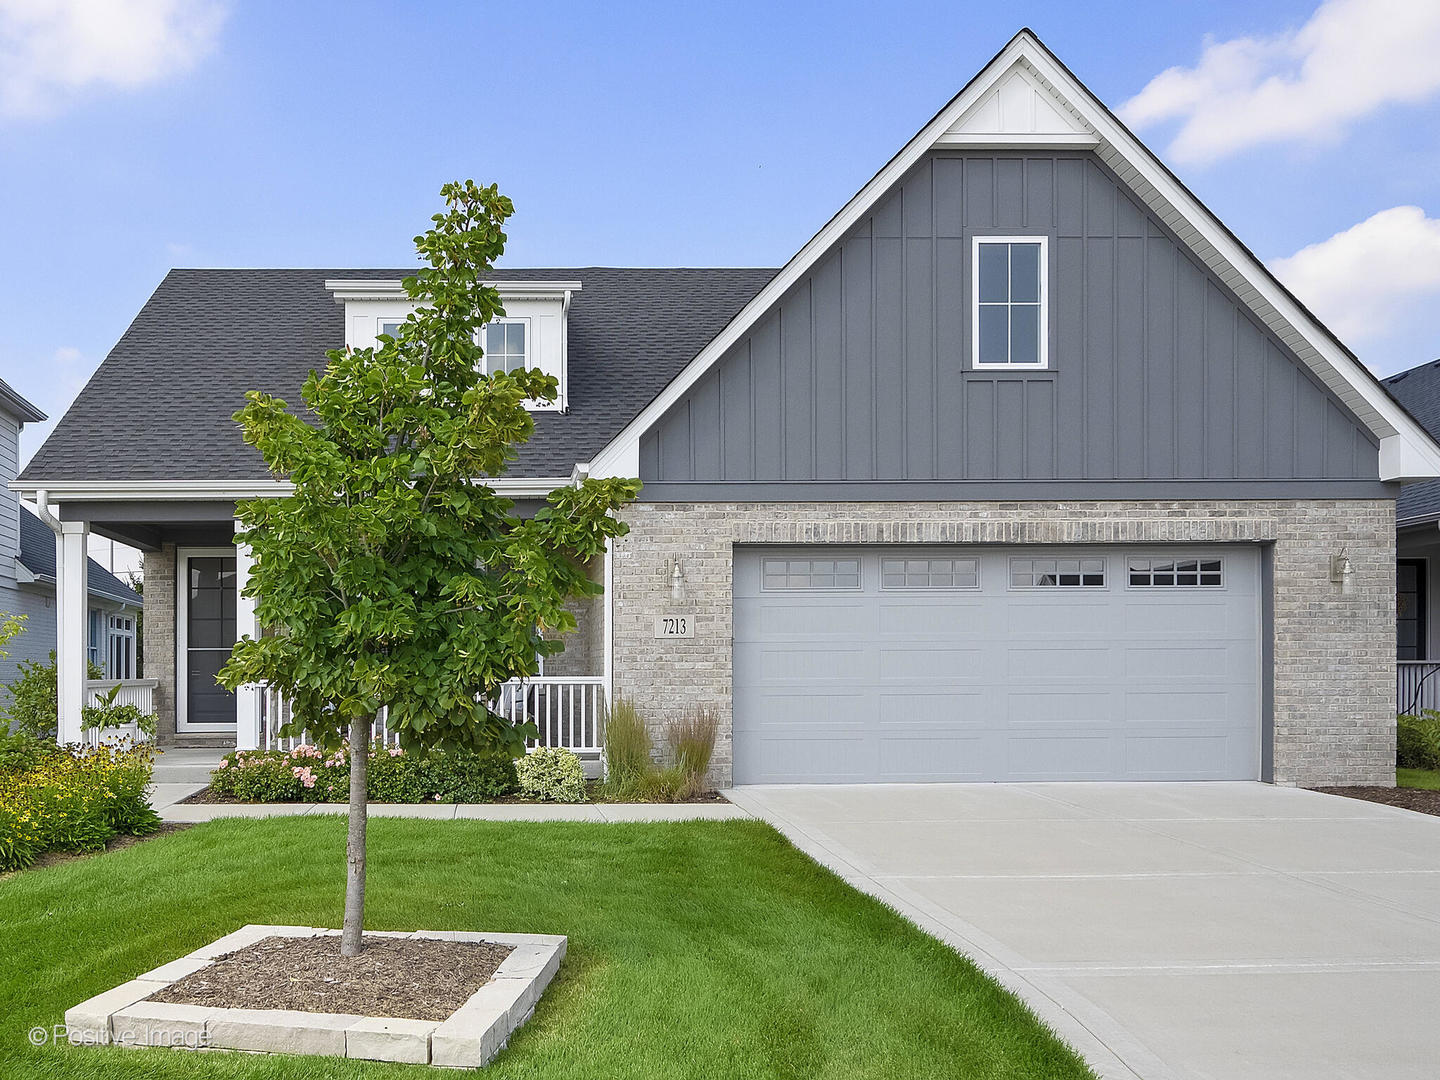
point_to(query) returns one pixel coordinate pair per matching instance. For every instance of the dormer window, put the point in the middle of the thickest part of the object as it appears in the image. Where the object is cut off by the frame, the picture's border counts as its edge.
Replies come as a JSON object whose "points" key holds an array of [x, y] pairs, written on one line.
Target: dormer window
{"points": [[531, 334], [506, 345]]}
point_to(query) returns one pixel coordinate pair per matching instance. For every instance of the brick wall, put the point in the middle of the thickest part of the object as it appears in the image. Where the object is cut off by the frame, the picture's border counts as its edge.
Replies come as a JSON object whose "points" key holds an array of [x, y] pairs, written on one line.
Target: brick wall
{"points": [[1334, 683], [159, 634]]}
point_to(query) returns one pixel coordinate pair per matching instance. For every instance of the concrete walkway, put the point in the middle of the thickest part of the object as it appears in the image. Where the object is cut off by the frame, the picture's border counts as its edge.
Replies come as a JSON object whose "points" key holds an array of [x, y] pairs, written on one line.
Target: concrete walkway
{"points": [[181, 773], [196, 812], [1165, 931]]}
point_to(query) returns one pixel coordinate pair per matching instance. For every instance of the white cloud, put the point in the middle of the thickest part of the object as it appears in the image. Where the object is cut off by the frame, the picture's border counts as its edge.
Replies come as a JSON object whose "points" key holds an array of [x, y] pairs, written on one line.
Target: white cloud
{"points": [[1350, 59], [1376, 285], [53, 50]]}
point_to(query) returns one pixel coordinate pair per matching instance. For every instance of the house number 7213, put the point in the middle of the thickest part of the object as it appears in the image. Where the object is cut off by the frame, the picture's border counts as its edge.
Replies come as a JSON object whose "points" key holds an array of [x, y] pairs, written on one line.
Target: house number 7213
{"points": [[674, 626]]}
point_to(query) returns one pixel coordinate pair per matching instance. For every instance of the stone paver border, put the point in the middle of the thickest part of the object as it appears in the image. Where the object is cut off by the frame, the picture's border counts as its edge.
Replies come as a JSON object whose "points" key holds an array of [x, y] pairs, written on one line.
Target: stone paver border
{"points": [[470, 1037]]}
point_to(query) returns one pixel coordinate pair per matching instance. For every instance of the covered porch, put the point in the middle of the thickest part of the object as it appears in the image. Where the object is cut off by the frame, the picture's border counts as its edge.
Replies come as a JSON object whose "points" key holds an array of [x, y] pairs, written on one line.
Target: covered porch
{"points": [[195, 572], [1417, 599]]}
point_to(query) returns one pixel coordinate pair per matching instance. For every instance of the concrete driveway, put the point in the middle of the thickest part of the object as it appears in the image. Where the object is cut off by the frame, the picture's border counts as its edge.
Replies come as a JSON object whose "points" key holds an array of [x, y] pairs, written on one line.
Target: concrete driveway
{"points": [[1223, 931]]}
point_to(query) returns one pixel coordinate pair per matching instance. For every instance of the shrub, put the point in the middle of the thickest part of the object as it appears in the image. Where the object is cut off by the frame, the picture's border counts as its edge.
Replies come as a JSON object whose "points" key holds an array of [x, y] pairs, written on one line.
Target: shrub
{"points": [[627, 745], [692, 741], [34, 699], [20, 751], [1417, 741], [463, 777], [78, 799], [308, 774], [551, 774]]}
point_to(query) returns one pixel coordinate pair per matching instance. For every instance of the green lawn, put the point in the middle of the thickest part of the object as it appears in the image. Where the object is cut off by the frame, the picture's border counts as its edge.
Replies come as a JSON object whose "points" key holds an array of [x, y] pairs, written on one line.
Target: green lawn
{"points": [[1429, 779], [697, 949]]}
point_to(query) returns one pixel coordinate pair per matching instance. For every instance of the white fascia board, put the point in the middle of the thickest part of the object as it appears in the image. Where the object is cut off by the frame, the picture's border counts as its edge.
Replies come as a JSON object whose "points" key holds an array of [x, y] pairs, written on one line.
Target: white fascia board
{"points": [[1416, 456], [345, 289], [60, 491]]}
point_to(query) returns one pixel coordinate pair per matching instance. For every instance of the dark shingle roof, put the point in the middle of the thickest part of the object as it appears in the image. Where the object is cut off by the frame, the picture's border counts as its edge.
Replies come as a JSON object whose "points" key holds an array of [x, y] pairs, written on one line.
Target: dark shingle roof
{"points": [[159, 407], [37, 552], [1419, 391]]}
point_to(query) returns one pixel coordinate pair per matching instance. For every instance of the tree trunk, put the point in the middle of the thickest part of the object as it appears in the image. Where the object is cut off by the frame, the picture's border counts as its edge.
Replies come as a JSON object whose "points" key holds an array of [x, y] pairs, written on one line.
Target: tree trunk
{"points": [[350, 936]]}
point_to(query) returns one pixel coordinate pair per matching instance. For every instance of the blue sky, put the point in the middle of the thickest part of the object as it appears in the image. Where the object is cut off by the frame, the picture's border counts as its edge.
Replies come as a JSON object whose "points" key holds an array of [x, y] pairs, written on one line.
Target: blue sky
{"points": [[148, 134]]}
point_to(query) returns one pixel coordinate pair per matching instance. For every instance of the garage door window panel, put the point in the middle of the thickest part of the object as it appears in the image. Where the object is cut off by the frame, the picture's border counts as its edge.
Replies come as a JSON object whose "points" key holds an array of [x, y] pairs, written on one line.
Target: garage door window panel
{"points": [[779, 575], [929, 573], [1061, 573], [1181, 573]]}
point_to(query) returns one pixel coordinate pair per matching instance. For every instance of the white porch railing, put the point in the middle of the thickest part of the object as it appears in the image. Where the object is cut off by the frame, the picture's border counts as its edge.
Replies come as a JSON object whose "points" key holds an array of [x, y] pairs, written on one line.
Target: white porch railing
{"points": [[137, 692], [568, 711], [1417, 685]]}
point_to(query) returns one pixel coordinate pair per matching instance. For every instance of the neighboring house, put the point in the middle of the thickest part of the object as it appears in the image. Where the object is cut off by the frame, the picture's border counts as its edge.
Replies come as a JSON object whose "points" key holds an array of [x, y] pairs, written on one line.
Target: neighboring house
{"points": [[27, 574], [1022, 468], [1417, 564]]}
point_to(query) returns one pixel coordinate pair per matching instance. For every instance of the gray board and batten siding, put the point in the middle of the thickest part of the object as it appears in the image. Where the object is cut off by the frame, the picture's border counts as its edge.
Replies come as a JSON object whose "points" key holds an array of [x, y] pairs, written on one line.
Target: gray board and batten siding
{"points": [[1159, 380]]}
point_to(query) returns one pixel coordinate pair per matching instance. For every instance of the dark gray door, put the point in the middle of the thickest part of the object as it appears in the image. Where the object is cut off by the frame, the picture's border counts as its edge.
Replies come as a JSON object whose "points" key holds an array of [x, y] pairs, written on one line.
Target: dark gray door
{"points": [[209, 635], [907, 664]]}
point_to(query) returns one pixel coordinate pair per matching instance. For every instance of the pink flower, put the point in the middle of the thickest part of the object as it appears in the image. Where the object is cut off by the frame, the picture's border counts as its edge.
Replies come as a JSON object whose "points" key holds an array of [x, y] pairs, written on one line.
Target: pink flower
{"points": [[395, 751], [304, 775], [224, 763]]}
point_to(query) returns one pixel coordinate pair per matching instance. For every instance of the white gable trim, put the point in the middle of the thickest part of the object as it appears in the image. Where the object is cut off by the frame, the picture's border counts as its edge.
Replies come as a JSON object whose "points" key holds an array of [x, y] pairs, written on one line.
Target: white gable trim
{"points": [[1050, 107]]}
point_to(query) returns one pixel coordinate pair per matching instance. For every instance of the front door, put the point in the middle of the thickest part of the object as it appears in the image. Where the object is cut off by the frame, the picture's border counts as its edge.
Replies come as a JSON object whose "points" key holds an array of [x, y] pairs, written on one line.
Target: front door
{"points": [[208, 597]]}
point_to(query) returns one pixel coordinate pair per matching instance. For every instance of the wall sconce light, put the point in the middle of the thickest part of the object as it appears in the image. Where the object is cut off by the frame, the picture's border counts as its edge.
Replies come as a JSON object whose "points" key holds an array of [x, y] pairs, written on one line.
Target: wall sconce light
{"points": [[677, 581], [1342, 573]]}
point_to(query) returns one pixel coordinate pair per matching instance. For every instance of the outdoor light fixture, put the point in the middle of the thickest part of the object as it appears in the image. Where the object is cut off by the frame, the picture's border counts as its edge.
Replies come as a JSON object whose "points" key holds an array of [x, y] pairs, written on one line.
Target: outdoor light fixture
{"points": [[1341, 572], [677, 581]]}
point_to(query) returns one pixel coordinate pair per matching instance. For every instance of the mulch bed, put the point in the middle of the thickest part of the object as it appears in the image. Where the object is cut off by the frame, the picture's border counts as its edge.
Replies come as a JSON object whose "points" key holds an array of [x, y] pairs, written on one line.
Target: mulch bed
{"points": [[1417, 799], [404, 978]]}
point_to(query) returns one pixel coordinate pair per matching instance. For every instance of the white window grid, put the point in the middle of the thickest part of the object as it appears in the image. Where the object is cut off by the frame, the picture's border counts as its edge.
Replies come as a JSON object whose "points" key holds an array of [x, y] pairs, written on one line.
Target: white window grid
{"points": [[507, 345], [928, 573], [1176, 573], [785, 573], [1058, 572], [1042, 360]]}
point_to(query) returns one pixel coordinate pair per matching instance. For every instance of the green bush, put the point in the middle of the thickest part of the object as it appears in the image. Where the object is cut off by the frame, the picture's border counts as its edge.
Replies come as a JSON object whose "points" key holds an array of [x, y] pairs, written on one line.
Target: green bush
{"points": [[20, 750], [307, 774], [462, 777], [34, 699], [78, 799], [627, 745], [1417, 741], [551, 774]]}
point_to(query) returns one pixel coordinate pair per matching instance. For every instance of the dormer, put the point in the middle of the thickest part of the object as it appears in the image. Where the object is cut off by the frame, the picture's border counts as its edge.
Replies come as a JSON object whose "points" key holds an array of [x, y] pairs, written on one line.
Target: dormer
{"points": [[531, 333]]}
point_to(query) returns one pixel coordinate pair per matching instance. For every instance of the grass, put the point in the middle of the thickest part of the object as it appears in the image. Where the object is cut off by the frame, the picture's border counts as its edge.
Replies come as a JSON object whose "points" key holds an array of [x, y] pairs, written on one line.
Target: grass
{"points": [[697, 949], [1426, 779]]}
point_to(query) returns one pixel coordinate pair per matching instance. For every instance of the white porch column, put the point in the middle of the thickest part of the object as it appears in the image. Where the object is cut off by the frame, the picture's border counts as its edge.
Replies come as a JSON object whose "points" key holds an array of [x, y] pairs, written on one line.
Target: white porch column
{"points": [[72, 602], [247, 697]]}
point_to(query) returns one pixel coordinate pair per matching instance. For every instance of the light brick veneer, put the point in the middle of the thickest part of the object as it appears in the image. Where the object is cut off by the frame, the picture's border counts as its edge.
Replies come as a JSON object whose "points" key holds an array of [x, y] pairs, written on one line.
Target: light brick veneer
{"points": [[1334, 651], [158, 632]]}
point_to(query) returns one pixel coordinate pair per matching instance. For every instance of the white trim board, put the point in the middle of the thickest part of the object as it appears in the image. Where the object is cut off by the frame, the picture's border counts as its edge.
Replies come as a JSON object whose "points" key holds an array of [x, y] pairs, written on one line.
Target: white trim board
{"points": [[60, 491], [1059, 110]]}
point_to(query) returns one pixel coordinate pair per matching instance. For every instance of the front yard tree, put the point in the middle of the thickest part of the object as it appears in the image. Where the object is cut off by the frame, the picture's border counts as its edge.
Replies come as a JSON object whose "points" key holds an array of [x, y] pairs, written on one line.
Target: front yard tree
{"points": [[393, 577]]}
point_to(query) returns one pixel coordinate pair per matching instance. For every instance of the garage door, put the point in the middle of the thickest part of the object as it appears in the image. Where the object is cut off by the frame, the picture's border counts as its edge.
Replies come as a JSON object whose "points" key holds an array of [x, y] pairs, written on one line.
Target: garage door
{"points": [[903, 664]]}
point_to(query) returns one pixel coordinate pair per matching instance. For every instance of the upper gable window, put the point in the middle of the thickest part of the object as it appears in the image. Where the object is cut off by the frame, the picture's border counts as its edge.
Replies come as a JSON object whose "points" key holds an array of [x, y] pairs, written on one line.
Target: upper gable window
{"points": [[506, 343], [389, 327], [1008, 312]]}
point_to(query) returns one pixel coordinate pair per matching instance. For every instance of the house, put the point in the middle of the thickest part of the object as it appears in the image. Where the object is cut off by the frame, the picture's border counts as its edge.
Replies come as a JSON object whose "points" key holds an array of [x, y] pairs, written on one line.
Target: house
{"points": [[27, 574], [1417, 549], [1023, 467]]}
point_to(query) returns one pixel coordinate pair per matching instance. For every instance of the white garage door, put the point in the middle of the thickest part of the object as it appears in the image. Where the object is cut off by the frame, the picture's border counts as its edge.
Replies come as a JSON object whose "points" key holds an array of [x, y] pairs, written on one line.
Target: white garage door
{"points": [[902, 664]]}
